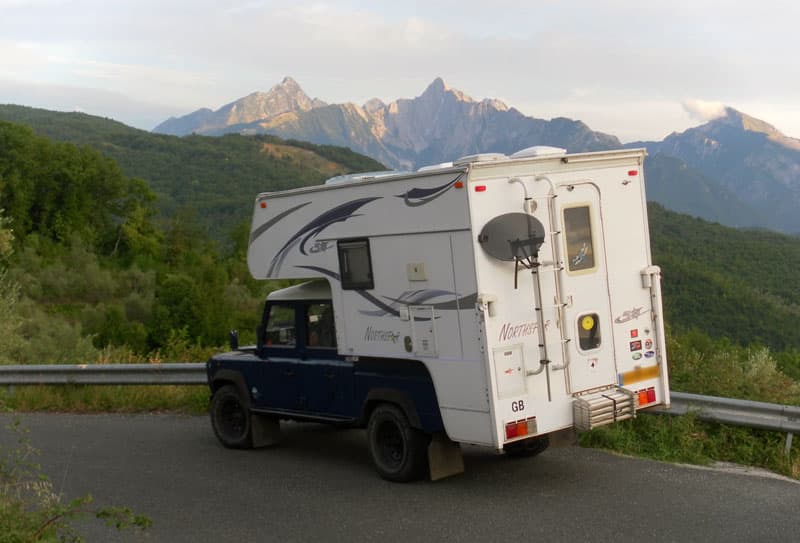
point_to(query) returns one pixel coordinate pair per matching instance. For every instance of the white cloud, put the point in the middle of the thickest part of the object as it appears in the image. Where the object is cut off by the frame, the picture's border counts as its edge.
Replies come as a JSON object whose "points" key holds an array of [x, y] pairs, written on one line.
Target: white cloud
{"points": [[623, 64], [703, 111]]}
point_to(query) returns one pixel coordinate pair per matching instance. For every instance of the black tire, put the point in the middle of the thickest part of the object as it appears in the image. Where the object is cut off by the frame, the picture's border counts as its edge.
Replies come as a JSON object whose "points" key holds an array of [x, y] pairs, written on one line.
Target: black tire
{"points": [[399, 452], [230, 418], [527, 447]]}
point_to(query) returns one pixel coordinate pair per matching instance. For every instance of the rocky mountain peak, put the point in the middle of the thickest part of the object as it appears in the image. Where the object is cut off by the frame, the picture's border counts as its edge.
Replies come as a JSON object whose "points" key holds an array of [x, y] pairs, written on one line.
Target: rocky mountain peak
{"points": [[289, 85], [373, 105], [746, 123], [438, 89], [287, 96]]}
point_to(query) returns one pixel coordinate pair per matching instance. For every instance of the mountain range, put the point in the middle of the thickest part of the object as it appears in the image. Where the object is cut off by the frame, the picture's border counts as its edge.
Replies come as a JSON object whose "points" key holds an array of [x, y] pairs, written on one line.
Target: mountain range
{"points": [[439, 125], [735, 169]]}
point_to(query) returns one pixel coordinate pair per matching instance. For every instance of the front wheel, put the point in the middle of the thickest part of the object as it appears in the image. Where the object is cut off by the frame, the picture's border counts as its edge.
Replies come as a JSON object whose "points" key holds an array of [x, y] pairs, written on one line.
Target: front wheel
{"points": [[399, 452], [230, 418]]}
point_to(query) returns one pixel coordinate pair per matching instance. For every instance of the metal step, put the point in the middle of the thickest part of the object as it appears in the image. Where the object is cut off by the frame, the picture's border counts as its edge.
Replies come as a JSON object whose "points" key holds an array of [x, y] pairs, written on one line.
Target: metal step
{"points": [[601, 408]]}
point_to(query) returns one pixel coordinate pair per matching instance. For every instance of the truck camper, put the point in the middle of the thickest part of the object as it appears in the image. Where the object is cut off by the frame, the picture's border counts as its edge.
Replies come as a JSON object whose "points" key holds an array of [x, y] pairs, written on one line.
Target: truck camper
{"points": [[495, 300]]}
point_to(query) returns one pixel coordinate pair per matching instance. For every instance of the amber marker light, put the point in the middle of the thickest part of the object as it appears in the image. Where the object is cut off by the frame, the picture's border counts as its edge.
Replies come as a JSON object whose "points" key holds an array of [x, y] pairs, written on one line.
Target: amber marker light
{"points": [[459, 184], [263, 205]]}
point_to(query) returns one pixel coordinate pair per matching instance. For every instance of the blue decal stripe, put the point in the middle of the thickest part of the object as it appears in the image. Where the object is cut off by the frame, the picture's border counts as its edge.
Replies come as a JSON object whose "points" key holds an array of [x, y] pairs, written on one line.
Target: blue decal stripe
{"points": [[377, 303], [419, 297], [462, 303], [323, 271], [339, 213], [418, 197], [267, 225]]}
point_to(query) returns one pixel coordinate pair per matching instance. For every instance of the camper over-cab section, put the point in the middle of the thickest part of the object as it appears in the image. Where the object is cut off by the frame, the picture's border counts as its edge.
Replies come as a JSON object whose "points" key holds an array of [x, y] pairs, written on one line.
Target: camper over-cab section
{"points": [[521, 285]]}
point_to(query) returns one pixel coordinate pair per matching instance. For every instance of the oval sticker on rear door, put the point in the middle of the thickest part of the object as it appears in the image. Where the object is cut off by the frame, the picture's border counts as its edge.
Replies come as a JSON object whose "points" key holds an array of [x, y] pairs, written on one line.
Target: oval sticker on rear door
{"points": [[649, 354], [636, 356]]}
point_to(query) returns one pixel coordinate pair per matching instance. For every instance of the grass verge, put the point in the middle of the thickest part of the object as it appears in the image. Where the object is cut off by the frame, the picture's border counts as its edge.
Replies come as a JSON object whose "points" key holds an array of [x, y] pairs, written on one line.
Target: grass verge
{"points": [[188, 399], [685, 439]]}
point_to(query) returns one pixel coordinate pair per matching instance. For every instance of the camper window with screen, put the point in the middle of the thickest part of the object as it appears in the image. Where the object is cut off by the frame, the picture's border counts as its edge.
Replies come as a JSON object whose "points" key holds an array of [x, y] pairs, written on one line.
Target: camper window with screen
{"points": [[578, 231], [355, 265]]}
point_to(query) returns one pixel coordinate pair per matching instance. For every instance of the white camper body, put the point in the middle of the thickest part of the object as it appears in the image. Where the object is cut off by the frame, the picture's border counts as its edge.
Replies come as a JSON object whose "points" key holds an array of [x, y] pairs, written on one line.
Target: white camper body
{"points": [[441, 266]]}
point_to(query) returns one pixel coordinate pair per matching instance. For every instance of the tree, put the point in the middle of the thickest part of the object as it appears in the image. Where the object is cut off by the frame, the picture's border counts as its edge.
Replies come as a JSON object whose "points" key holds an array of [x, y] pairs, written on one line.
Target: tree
{"points": [[9, 295]]}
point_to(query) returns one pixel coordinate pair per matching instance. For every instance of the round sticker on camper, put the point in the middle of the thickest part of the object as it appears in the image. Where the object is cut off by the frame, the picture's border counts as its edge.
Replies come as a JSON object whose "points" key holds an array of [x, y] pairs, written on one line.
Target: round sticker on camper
{"points": [[587, 322]]}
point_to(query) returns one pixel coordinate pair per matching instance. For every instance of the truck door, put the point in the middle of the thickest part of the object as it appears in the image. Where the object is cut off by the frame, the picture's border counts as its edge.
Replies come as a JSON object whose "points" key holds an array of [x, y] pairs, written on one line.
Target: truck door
{"points": [[282, 378], [587, 319], [327, 377]]}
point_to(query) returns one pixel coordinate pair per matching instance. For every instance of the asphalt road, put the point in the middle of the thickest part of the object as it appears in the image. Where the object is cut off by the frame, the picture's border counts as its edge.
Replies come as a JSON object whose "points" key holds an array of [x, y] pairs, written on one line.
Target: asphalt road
{"points": [[318, 485]]}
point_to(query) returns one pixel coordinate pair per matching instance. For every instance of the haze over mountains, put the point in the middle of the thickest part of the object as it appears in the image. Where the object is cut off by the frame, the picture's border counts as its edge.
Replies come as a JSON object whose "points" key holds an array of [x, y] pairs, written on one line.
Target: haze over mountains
{"points": [[735, 169]]}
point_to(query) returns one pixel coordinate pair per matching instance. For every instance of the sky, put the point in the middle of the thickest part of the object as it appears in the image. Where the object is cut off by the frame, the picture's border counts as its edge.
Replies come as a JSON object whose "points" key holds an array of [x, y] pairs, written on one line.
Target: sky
{"points": [[636, 69]]}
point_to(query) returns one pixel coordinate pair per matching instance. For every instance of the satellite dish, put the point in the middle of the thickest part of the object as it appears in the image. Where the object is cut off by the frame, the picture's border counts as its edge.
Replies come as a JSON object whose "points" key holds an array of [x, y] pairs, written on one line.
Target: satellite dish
{"points": [[512, 237]]}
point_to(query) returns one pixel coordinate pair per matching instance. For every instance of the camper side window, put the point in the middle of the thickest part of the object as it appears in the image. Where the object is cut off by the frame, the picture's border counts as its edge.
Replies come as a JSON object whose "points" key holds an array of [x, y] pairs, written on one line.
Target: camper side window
{"points": [[578, 231], [355, 265]]}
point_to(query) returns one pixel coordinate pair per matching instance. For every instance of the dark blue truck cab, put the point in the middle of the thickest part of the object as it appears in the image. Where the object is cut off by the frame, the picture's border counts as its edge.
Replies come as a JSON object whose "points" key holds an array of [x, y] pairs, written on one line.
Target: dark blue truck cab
{"points": [[295, 372]]}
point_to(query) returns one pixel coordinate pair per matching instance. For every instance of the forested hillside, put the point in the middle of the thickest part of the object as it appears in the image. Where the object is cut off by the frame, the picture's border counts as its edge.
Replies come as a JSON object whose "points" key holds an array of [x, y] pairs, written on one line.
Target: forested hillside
{"points": [[214, 178], [85, 265], [741, 284], [91, 254]]}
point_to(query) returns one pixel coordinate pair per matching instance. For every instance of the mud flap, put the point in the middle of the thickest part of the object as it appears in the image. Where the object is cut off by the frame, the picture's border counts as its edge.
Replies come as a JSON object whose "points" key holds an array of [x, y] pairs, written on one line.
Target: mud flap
{"points": [[266, 430], [444, 457]]}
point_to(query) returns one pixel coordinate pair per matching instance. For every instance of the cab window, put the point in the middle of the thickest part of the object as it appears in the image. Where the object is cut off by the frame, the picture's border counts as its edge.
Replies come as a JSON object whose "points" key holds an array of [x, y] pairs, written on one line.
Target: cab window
{"points": [[280, 326], [320, 329]]}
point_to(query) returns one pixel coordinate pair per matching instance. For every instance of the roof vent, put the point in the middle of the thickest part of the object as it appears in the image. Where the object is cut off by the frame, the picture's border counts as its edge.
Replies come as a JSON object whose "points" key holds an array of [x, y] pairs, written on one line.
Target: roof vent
{"points": [[539, 150], [480, 157]]}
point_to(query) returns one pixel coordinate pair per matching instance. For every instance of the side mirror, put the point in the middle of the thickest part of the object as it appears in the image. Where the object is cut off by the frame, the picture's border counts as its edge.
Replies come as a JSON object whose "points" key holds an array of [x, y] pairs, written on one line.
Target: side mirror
{"points": [[233, 339], [260, 341]]}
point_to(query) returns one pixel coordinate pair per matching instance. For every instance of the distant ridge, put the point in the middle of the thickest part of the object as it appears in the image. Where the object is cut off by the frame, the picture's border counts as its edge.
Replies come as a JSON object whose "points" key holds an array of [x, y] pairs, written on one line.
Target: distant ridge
{"points": [[441, 124], [745, 157], [285, 97]]}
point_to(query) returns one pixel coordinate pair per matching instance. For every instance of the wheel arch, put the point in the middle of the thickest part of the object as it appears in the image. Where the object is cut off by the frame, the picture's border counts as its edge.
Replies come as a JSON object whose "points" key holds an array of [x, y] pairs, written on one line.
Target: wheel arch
{"points": [[400, 398], [230, 377], [408, 384]]}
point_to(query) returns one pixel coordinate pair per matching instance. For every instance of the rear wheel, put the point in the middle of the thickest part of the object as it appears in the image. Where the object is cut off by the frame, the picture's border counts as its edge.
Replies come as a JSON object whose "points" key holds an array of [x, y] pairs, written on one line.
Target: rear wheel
{"points": [[399, 452], [230, 418], [527, 447]]}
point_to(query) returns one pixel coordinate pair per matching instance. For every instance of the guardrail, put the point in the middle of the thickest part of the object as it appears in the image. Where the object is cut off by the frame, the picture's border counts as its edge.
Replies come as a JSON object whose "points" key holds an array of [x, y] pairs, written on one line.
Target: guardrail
{"points": [[767, 416], [104, 374]]}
